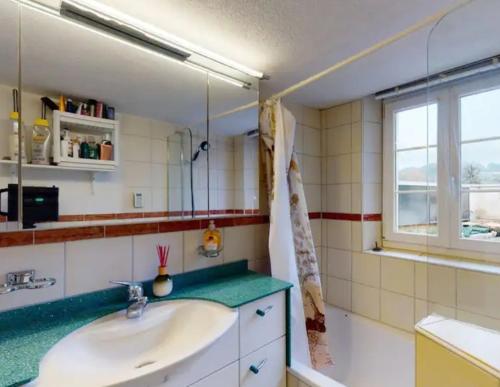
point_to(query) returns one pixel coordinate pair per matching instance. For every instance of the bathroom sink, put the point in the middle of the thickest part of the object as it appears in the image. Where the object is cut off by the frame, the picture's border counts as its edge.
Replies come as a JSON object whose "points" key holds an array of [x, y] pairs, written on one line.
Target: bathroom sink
{"points": [[115, 350]]}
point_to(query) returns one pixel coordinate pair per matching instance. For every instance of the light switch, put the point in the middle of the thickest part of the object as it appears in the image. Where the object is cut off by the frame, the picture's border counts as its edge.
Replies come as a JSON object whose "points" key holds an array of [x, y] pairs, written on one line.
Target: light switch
{"points": [[138, 200]]}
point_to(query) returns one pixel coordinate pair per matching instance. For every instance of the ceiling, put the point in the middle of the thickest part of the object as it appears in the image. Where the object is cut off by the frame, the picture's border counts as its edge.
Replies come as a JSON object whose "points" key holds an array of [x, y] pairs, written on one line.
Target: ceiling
{"points": [[293, 39], [289, 40]]}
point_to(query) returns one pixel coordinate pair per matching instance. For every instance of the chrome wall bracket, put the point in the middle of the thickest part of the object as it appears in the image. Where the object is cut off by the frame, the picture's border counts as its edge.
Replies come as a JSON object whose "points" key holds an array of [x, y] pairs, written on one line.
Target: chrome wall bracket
{"points": [[25, 279]]}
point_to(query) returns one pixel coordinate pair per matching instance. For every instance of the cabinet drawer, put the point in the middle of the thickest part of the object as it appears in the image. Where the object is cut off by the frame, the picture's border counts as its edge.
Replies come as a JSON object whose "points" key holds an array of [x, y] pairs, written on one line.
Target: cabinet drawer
{"points": [[265, 367], [261, 322], [227, 377]]}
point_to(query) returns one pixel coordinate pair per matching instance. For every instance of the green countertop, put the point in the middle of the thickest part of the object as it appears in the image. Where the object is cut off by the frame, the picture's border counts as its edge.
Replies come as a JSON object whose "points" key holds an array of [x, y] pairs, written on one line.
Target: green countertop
{"points": [[26, 334]]}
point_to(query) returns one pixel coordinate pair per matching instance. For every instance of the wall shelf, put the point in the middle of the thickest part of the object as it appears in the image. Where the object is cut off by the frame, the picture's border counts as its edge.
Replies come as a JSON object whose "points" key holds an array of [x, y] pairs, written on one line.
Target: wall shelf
{"points": [[99, 166], [85, 126]]}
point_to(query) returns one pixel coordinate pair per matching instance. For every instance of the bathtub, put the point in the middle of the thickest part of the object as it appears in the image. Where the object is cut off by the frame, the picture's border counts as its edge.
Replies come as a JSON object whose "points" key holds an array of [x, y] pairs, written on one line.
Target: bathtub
{"points": [[366, 353]]}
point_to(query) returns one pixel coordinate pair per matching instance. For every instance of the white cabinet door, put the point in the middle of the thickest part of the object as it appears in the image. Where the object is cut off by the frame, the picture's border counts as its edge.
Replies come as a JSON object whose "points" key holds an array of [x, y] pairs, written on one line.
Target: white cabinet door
{"points": [[226, 377], [265, 367], [261, 322], [221, 353]]}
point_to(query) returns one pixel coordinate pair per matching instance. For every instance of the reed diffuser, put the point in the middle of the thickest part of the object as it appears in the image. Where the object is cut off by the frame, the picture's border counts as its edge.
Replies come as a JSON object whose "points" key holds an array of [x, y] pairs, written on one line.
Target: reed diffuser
{"points": [[162, 284]]}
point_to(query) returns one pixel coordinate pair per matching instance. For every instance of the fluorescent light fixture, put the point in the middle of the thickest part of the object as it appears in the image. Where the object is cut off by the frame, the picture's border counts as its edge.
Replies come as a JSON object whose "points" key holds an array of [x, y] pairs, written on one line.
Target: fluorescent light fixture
{"points": [[112, 23]]}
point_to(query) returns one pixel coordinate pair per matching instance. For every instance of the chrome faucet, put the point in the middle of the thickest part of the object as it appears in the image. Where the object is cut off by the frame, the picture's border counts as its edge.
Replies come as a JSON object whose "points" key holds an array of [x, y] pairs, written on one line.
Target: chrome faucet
{"points": [[136, 297], [25, 279]]}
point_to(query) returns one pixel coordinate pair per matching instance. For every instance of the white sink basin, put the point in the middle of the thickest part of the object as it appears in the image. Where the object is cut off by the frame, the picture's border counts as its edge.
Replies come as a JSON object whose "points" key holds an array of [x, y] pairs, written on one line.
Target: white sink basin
{"points": [[115, 350]]}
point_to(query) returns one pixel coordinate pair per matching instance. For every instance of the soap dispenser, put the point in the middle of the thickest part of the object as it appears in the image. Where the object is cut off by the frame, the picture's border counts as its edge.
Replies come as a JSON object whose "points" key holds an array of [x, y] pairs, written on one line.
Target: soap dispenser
{"points": [[212, 238]]}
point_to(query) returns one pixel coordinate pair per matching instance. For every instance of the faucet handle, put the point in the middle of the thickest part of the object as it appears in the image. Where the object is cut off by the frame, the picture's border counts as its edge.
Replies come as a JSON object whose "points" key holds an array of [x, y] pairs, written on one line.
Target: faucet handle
{"points": [[135, 290]]}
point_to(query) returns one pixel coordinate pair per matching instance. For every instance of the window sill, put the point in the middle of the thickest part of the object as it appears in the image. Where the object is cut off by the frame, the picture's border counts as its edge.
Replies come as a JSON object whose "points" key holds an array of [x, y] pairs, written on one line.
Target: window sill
{"points": [[481, 267]]}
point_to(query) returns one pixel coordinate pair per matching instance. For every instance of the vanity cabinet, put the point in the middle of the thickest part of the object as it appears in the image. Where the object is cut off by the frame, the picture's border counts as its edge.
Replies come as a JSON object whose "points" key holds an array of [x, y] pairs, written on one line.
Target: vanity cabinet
{"points": [[251, 354]]}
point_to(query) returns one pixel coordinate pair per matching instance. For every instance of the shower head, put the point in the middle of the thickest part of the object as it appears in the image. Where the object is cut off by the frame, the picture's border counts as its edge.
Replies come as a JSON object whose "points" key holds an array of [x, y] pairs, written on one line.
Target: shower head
{"points": [[204, 146]]}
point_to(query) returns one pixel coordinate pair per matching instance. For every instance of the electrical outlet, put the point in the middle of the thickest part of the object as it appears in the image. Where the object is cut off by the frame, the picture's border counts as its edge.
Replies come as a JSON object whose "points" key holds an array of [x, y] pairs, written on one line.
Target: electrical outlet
{"points": [[138, 200]]}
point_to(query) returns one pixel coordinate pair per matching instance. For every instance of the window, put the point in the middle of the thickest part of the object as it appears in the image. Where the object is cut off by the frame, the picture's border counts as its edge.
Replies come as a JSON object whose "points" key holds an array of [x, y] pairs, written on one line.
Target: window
{"points": [[442, 167]]}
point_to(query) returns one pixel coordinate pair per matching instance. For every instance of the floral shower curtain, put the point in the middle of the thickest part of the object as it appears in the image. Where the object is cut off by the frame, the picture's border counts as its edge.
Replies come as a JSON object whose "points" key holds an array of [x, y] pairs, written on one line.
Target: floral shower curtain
{"points": [[291, 247]]}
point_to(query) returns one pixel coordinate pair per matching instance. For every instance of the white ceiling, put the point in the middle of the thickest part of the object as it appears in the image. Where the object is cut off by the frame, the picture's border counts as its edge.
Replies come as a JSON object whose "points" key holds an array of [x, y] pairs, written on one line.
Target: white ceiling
{"points": [[289, 40], [293, 39]]}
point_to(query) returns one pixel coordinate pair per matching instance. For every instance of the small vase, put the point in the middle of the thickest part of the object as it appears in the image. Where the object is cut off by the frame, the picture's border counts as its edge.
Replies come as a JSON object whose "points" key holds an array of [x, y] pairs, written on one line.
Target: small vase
{"points": [[162, 284]]}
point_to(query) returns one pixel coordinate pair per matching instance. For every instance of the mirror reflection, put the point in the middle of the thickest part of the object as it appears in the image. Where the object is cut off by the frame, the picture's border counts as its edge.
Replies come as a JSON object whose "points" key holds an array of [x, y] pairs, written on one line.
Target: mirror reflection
{"points": [[116, 124]]}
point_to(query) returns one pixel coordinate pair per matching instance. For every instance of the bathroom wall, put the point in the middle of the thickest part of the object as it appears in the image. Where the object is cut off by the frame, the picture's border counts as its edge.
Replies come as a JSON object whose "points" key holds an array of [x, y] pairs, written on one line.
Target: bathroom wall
{"points": [[397, 290], [88, 265]]}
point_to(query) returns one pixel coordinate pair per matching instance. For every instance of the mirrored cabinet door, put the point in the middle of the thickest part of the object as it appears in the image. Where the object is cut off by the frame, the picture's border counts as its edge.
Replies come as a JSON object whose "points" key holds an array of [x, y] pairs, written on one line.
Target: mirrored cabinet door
{"points": [[10, 115]]}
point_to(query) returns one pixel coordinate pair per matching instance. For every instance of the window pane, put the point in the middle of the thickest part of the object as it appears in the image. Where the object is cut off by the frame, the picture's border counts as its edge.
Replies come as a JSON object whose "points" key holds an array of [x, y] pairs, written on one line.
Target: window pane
{"points": [[480, 115], [417, 213], [416, 169], [481, 215], [481, 164], [412, 124]]}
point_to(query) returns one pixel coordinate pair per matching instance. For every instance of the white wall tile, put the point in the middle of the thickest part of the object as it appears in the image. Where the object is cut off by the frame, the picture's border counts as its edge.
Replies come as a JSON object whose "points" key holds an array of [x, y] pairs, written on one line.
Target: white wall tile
{"points": [[421, 280], [372, 168], [442, 310], [338, 115], [47, 261], [313, 197], [339, 264], [372, 198], [442, 285], [312, 141], [356, 111], [356, 236], [356, 137], [397, 310], [91, 264], [146, 259], [356, 201], [311, 117], [194, 261], [356, 161], [366, 269], [397, 275], [372, 232], [316, 231], [312, 170], [372, 137], [339, 140], [339, 198], [239, 243], [339, 169], [366, 301], [477, 319], [372, 110], [135, 148], [339, 234], [478, 293], [339, 293], [262, 241], [134, 125], [420, 310]]}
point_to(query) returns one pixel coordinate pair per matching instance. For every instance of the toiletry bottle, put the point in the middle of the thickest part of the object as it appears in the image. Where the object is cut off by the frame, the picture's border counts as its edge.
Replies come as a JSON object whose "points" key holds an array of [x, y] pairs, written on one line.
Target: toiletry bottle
{"points": [[212, 238], [76, 147], [40, 142], [92, 148], [106, 148], [14, 136], [14, 139], [84, 149], [66, 146]]}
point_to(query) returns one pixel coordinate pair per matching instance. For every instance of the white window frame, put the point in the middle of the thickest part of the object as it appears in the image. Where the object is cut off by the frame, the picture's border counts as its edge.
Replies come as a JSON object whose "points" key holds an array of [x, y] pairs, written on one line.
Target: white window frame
{"points": [[449, 170]]}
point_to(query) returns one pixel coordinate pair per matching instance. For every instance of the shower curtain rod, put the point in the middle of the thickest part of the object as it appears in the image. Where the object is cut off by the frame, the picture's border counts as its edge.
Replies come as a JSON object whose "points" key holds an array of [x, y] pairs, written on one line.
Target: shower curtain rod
{"points": [[394, 38]]}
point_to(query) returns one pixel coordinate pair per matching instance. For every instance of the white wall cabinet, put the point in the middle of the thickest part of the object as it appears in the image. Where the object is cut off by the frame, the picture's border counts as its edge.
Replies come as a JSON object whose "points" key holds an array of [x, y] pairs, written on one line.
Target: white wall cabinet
{"points": [[251, 354]]}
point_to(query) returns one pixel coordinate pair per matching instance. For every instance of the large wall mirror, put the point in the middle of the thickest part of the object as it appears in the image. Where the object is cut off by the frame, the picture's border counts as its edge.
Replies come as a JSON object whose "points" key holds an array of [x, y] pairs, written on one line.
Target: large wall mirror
{"points": [[114, 129], [9, 106]]}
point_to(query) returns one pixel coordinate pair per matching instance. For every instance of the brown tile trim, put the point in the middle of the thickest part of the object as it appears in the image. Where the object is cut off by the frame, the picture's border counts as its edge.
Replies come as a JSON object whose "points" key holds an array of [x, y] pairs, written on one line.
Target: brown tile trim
{"points": [[68, 234], [100, 216], [372, 217], [30, 237], [16, 238], [71, 218], [129, 215], [341, 216], [351, 217], [180, 225], [157, 214], [119, 230]]}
